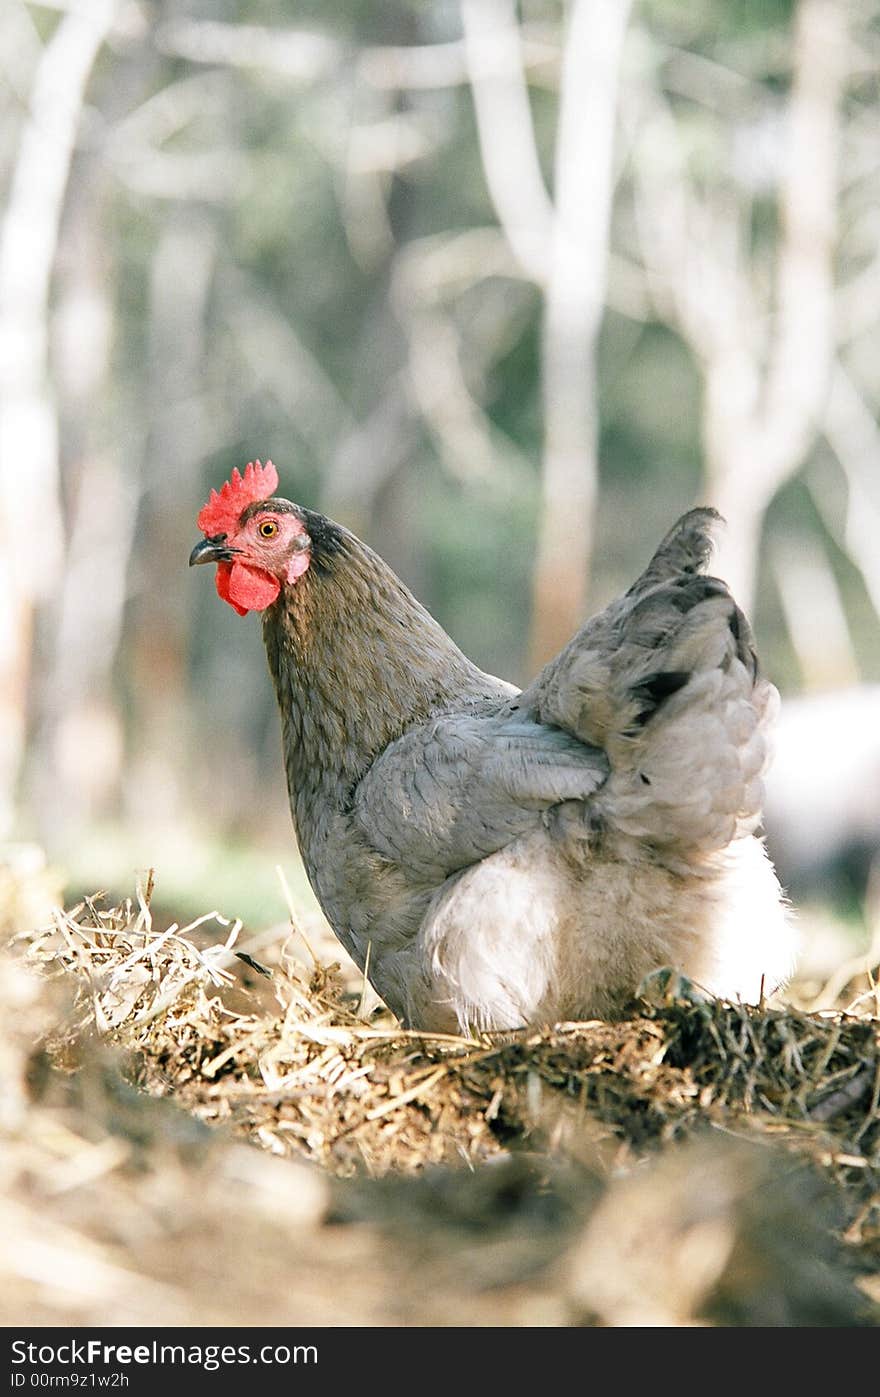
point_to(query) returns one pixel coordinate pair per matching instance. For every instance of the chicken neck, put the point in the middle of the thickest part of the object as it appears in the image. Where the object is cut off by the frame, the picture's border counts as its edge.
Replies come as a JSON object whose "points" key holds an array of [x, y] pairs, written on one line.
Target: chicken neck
{"points": [[356, 661]]}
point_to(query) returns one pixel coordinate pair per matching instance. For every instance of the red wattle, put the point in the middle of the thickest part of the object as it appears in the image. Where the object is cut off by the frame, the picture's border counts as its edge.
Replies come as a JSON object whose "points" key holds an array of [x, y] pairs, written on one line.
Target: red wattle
{"points": [[245, 588]]}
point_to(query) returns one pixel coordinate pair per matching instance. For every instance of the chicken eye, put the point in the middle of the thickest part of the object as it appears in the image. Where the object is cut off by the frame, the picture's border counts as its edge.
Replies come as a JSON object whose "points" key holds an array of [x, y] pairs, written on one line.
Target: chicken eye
{"points": [[268, 528]]}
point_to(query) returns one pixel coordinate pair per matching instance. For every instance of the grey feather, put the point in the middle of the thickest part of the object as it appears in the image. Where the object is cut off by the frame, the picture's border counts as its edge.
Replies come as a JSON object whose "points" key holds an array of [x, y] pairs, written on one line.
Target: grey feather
{"points": [[460, 787], [595, 688], [502, 858]]}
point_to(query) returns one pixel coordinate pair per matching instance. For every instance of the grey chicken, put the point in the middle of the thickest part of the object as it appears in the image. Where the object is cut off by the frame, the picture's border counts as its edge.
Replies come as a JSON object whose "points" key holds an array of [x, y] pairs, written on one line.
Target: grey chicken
{"points": [[501, 858]]}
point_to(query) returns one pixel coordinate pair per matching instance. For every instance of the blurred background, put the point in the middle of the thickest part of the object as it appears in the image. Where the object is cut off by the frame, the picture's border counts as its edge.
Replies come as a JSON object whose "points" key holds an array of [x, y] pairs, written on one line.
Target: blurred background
{"points": [[504, 288]]}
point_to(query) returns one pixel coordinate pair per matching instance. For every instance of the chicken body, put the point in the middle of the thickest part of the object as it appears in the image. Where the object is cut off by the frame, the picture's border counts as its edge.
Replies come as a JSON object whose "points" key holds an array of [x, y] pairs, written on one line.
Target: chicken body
{"points": [[501, 858]]}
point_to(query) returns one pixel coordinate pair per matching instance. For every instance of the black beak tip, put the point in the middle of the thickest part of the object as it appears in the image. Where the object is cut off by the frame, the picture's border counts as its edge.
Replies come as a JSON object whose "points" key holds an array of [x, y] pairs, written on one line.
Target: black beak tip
{"points": [[209, 550]]}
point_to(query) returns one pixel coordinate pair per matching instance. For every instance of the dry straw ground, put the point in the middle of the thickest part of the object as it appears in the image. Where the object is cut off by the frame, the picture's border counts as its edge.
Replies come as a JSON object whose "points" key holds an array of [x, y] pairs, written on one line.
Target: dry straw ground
{"points": [[191, 1136]]}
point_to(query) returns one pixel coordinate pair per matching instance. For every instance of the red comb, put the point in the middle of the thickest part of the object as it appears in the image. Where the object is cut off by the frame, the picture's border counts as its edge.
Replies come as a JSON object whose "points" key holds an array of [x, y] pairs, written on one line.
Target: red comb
{"points": [[222, 512]]}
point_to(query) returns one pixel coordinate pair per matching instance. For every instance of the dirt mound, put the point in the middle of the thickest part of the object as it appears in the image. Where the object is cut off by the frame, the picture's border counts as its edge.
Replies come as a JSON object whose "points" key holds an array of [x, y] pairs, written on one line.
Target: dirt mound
{"points": [[697, 1162]]}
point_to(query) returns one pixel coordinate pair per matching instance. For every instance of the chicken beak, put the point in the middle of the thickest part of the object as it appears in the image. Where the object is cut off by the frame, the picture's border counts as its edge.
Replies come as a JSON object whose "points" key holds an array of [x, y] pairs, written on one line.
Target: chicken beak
{"points": [[211, 550]]}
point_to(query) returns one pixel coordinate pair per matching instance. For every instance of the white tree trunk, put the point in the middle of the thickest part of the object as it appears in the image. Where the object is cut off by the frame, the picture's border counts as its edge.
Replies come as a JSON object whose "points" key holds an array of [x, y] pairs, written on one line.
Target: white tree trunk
{"points": [[30, 529], [575, 299], [562, 245], [751, 453]]}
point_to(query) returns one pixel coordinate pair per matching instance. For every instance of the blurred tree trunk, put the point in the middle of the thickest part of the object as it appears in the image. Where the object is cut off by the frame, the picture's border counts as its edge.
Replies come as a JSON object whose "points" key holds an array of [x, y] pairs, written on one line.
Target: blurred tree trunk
{"points": [[766, 352], [754, 443], [563, 246], [76, 752], [574, 306], [30, 525], [77, 748]]}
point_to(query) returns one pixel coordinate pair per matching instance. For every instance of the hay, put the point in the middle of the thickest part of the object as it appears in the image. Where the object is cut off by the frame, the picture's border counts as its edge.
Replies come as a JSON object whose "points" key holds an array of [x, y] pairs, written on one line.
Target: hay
{"points": [[315, 1079], [286, 1059]]}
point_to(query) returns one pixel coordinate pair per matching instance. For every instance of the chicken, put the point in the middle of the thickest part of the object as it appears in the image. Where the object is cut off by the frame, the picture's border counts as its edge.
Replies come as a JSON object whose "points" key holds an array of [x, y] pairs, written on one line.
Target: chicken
{"points": [[496, 858]]}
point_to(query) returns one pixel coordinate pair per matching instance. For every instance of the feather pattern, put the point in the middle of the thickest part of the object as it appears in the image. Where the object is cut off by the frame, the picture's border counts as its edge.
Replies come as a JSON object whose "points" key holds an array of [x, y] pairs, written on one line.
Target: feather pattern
{"points": [[502, 858]]}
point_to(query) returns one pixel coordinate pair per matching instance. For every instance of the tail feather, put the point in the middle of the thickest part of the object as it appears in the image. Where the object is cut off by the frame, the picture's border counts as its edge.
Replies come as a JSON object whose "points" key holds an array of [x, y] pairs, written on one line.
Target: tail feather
{"points": [[685, 550], [666, 681]]}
